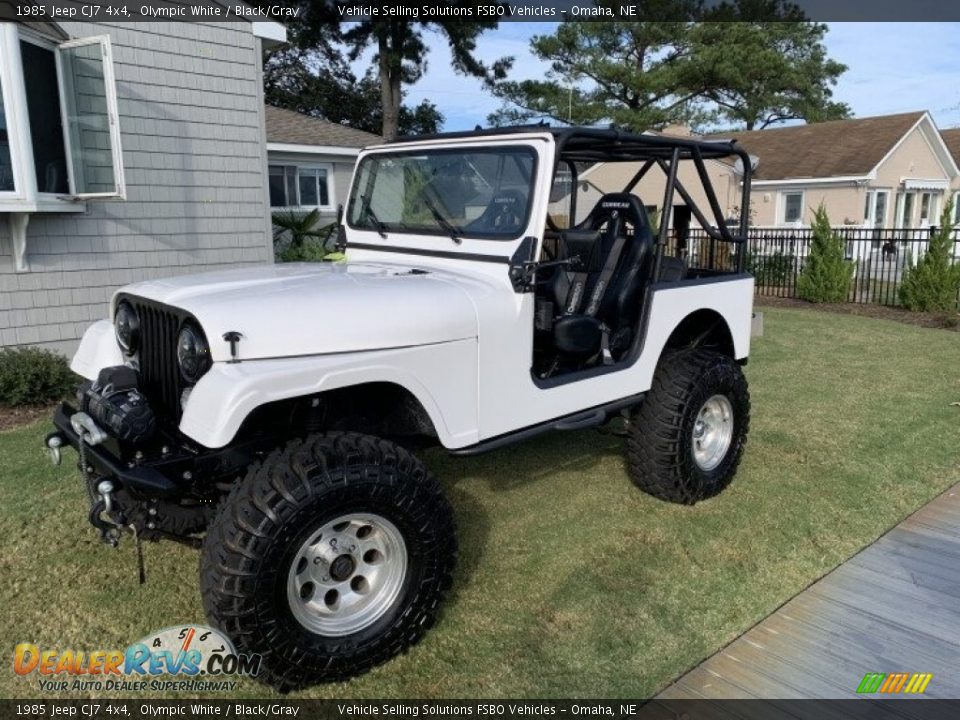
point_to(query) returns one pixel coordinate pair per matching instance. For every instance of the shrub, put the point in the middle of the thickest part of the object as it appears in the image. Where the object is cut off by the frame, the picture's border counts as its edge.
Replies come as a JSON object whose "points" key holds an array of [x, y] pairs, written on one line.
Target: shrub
{"points": [[297, 237], [775, 269], [933, 283], [29, 376], [826, 274]]}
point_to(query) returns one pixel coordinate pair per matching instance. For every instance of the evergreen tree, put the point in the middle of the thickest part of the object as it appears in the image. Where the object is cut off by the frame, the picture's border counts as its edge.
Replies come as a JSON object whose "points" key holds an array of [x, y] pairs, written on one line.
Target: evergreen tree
{"points": [[755, 62], [932, 285], [826, 274]]}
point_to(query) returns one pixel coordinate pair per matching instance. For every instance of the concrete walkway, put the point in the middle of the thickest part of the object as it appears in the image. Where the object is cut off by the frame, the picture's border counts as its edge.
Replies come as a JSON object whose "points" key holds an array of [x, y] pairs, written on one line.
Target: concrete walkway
{"points": [[892, 608]]}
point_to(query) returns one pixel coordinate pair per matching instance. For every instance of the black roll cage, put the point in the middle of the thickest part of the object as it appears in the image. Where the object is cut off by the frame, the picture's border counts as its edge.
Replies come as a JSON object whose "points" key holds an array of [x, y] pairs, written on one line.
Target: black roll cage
{"points": [[593, 145], [587, 145]]}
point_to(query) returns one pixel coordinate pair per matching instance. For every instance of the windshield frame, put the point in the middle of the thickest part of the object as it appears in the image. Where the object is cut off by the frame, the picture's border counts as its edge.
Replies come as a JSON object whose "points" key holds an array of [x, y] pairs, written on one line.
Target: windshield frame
{"points": [[356, 193]]}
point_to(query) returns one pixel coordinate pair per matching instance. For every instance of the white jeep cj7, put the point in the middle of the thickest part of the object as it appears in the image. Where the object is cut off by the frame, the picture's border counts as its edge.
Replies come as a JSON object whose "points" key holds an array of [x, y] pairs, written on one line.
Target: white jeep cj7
{"points": [[266, 415]]}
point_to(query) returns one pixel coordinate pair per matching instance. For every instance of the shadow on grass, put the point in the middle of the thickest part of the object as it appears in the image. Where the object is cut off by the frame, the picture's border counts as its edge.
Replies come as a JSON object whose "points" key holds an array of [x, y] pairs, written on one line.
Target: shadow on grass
{"points": [[534, 461]]}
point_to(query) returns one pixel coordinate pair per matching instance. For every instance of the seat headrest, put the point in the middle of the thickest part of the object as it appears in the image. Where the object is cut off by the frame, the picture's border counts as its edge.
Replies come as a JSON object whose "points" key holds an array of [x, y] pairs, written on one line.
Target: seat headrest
{"points": [[624, 204]]}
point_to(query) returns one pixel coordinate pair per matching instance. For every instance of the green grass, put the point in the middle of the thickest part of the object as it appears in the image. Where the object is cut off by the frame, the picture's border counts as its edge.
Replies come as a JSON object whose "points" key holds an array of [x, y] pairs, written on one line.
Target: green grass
{"points": [[571, 581]]}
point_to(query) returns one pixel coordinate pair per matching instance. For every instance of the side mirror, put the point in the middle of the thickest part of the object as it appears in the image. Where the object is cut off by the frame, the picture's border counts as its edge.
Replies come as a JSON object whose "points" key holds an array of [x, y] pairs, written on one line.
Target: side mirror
{"points": [[339, 213]]}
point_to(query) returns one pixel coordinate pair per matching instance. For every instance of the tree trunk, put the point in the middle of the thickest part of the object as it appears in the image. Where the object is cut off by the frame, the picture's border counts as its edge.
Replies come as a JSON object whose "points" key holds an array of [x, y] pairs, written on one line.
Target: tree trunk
{"points": [[390, 45]]}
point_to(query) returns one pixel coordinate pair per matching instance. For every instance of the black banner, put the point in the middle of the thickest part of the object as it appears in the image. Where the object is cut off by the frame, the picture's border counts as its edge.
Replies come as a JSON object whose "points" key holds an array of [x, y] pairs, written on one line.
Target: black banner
{"points": [[102, 709], [462, 10]]}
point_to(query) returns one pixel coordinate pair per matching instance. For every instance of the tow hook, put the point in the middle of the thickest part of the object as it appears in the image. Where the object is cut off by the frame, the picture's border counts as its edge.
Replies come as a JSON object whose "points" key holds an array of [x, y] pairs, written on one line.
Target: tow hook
{"points": [[88, 431], [100, 514], [54, 443]]}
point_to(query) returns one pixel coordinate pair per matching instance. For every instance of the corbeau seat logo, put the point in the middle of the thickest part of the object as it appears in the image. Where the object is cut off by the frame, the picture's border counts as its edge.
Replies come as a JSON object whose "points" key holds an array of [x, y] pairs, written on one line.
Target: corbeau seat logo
{"points": [[190, 651], [893, 683]]}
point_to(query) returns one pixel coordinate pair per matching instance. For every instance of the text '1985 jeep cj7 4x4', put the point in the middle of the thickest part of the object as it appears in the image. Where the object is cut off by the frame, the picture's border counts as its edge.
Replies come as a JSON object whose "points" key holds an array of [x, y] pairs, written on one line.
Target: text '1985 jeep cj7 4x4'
{"points": [[266, 415]]}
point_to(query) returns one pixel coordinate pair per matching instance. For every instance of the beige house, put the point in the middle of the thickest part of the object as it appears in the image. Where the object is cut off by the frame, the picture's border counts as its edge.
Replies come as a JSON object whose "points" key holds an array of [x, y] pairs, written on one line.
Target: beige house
{"points": [[887, 171]]}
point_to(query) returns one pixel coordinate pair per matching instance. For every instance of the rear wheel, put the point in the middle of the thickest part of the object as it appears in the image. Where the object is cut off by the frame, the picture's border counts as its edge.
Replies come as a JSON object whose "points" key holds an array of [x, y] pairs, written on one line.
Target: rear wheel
{"points": [[686, 438], [332, 556]]}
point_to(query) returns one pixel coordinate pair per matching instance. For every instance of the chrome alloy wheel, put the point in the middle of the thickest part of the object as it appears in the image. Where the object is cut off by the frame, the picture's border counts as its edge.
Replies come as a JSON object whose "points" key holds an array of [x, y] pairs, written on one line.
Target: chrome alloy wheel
{"points": [[712, 432], [347, 574]]}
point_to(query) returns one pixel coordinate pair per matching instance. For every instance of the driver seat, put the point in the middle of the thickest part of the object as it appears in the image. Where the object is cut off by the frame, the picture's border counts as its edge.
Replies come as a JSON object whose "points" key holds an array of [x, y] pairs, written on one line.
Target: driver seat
{"points": [[600, 295], [503, 214]]}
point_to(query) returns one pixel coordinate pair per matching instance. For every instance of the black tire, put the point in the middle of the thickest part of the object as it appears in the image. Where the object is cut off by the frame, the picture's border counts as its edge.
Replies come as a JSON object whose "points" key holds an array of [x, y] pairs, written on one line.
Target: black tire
{"points": [[660, 443], [250, 548]]}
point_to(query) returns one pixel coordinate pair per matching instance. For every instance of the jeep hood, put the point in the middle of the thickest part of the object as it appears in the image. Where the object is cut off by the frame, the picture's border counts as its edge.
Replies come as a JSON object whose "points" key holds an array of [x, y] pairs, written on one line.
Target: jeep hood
{"points": [[315, 308]]}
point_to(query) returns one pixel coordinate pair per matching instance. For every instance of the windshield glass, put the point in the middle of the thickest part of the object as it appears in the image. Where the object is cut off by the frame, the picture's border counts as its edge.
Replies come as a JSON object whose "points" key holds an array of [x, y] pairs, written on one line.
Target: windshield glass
{"points": [[483, 192]]}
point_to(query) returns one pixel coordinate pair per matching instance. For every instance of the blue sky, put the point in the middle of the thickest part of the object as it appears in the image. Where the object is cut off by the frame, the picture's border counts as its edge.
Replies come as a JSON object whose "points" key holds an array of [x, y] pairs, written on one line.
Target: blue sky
{"points": [[893, 67]]}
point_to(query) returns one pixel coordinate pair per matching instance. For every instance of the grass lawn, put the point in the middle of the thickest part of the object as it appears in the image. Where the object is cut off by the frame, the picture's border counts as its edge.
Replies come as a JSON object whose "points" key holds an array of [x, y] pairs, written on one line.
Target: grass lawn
{"points": [[571, 582]]}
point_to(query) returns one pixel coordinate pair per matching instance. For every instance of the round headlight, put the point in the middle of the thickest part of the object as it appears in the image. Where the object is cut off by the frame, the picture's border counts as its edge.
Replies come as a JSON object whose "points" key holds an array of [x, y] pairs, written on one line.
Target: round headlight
{"points": [[126, 325], [193, 353]]}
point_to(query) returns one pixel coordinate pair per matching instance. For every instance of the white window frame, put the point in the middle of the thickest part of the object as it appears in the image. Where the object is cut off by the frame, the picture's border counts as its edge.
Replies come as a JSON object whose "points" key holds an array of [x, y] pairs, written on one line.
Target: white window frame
{"points": [[26, 197], [110, 90], [871, 207], [331, 205], [15, 110], [901, 219], [956, 207], [782, 208]]}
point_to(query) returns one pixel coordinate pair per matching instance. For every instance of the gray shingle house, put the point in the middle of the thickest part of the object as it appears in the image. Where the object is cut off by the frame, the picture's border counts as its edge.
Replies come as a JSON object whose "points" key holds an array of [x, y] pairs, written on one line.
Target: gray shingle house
{"points": [[311, 160], [127, 151]]}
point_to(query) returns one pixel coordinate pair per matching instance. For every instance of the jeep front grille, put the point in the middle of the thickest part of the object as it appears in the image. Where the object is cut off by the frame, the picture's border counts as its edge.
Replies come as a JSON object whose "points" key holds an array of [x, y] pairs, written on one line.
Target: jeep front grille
{"points": [[159, 375]]}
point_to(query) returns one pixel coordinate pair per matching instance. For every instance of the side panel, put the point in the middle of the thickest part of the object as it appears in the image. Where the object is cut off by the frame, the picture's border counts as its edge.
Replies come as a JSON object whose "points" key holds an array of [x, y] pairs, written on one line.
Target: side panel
{"points": [[510, 400], [442, 377]]}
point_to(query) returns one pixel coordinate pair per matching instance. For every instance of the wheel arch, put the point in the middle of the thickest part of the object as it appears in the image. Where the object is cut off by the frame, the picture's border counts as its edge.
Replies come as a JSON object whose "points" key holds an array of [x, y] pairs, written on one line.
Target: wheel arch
{"points": [[377, 407], [414, 378], [703, 328]]}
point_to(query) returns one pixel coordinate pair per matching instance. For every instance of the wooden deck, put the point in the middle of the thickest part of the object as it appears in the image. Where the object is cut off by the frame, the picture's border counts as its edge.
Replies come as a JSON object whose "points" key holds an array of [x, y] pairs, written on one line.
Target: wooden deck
{"points": [[894, 607]]}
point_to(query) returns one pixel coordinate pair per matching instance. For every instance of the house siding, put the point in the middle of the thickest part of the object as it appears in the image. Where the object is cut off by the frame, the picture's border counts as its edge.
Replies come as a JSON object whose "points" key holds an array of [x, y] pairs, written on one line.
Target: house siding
{"points": [[191, 121]]}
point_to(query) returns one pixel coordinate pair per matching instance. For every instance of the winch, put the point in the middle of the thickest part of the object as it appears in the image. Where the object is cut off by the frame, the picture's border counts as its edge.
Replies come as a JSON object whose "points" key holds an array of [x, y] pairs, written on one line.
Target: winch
{"points": [[115, 402]]}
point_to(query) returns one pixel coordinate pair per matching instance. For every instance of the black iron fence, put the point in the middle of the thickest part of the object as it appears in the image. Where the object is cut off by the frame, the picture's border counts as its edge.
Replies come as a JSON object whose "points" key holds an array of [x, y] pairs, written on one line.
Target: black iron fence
{"points": [[775, 257]]}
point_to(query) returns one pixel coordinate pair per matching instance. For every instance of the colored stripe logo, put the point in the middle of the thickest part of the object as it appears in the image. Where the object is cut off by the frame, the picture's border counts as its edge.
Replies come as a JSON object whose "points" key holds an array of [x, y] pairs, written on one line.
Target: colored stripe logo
{"points": [[893, 683]]}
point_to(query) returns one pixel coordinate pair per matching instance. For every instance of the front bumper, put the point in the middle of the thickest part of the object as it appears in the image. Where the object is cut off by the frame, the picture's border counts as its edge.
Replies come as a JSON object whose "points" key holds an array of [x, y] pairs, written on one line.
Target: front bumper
{"points": [[101, 462]]}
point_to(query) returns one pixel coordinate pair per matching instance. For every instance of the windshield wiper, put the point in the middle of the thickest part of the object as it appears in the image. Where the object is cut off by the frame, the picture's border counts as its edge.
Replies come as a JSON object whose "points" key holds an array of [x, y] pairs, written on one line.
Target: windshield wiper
{"points": [[380, 226], [452, 230]]}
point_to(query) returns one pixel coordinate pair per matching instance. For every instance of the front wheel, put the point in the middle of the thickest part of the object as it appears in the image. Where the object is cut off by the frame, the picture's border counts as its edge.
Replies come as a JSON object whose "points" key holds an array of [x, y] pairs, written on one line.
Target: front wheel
{"points": [[686, 438], [331, 556]]}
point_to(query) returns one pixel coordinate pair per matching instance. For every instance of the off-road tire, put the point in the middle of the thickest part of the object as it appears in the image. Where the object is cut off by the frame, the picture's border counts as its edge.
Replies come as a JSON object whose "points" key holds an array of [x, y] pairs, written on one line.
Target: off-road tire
{"points": [[660, 436], [249, 549]]}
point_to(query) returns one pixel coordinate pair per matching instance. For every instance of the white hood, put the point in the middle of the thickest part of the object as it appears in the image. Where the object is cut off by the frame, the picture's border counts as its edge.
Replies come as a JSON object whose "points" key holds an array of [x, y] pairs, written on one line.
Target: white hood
{"points": [[295, 309]]}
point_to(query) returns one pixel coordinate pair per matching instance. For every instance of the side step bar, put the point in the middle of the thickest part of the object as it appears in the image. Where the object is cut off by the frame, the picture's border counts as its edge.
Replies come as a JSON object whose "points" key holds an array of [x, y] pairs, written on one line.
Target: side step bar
{"points": [[577, 421]]}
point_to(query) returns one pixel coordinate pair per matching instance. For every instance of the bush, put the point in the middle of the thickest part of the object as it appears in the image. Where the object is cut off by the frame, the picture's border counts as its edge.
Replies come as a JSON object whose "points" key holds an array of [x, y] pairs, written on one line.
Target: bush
{"points": [[773, 270], [297, 236], [933, 283], [826, 274], [29, 376]]}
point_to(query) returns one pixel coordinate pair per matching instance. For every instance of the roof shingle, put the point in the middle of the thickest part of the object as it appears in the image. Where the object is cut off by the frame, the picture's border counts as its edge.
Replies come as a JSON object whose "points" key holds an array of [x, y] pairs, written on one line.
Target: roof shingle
{"points": [[952, 140], [287, 126], [836, 148]]}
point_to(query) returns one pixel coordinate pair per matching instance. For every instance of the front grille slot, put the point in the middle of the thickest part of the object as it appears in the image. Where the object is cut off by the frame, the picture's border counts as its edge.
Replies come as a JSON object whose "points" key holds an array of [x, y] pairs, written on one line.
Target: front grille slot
{"points": [[159, 375]]}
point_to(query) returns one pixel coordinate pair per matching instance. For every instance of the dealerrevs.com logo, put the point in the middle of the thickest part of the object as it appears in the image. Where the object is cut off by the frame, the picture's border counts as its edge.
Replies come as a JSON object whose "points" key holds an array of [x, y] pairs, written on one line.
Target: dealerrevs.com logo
{"points": [[198, 657]]}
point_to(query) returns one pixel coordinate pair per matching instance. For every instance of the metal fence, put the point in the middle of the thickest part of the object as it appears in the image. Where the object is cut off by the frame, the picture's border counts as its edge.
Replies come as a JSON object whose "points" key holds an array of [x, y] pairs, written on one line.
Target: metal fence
{"points": [[776, 256]]}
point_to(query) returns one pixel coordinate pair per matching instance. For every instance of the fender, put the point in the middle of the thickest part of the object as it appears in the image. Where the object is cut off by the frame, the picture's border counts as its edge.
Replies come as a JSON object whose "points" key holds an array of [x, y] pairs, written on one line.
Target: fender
{"points": [[672, 303], [229, 392], [98, 349]]}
